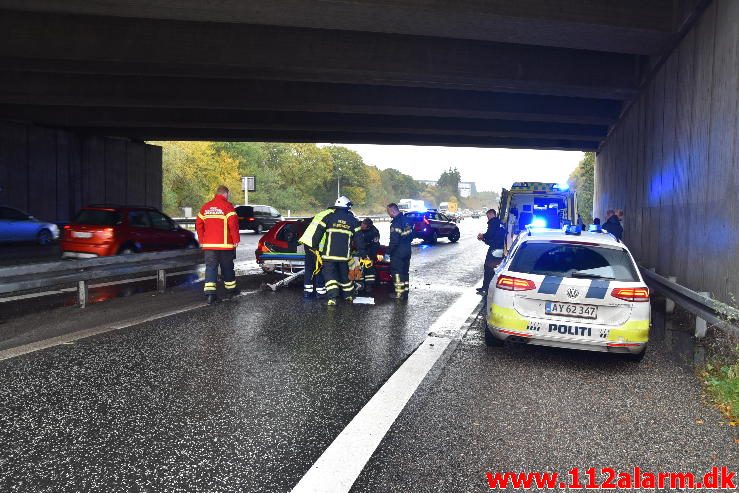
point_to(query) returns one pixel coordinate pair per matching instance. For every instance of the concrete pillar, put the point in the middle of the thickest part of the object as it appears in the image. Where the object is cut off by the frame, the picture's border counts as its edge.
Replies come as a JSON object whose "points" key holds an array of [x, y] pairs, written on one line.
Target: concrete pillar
{"points": [[52, 173], [701, 326], [669, 304]]}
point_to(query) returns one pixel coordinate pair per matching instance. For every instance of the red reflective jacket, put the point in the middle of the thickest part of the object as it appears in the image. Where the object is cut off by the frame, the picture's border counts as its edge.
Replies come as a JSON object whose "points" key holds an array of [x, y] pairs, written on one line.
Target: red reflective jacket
{"points": [[217, 225]]}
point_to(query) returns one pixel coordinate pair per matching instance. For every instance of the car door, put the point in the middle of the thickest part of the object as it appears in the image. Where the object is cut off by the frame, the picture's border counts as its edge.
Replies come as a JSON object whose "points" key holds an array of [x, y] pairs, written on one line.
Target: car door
{"points": [[445, 225], [168, 235], [18, 226], [140, 230]]}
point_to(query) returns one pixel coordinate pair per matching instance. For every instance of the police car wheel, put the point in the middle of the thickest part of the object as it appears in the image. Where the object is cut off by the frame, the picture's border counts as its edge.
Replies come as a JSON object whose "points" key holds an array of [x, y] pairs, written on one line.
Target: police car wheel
{"points": [[454, 237], [491, 340], [635, 357], [431, 240]]}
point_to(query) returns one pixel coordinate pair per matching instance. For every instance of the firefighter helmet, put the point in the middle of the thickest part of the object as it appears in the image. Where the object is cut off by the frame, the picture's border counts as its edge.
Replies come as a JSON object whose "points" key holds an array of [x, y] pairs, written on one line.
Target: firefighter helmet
{"points": [[343, 201]]}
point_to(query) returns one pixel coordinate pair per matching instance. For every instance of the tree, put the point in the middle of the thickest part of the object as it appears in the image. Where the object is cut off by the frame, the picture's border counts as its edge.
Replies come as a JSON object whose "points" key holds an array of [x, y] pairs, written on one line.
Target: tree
{"points": [[449, 181], [582, 181]]}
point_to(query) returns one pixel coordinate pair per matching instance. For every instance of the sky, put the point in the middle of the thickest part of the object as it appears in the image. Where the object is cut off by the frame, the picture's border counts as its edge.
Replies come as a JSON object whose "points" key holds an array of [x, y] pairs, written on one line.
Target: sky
{"points": [[490, 169]]}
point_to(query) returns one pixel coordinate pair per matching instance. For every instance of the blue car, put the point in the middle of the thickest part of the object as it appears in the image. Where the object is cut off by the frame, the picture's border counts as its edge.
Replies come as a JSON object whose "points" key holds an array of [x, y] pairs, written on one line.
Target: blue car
{"points": [[18, 226]]}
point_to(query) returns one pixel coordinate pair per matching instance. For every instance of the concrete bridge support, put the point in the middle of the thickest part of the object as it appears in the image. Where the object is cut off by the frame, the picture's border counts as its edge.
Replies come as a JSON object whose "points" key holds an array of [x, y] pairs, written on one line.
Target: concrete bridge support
{"points": [[672, 161], [51, 173]]}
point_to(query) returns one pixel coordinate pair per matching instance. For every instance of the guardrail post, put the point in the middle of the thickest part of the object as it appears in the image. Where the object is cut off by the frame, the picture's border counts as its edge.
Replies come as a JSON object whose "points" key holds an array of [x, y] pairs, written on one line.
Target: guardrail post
{"points": [[701, 326], [670, 304], [82, 293], [161, 280]]}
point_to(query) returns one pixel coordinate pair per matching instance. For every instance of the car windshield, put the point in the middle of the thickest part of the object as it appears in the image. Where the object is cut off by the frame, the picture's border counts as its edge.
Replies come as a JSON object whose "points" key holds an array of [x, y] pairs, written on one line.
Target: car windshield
{"points": [[574, 260], [97, 217]]}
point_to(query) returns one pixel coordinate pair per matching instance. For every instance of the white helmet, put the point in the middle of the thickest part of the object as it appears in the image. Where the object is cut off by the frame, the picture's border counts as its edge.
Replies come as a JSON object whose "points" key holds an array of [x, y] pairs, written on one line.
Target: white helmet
{"points": [[343, 201]]}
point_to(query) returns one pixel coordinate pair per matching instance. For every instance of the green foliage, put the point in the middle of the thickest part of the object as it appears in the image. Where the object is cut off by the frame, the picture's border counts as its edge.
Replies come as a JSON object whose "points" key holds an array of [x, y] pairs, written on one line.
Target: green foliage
{"points": [[448, 182], [721, 379], [297, 177], [582, 181]]}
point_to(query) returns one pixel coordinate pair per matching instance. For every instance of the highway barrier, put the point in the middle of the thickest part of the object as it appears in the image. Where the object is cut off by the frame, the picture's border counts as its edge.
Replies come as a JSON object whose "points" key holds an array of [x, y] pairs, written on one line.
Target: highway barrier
{"points": [[706, 310], [79, 273]]}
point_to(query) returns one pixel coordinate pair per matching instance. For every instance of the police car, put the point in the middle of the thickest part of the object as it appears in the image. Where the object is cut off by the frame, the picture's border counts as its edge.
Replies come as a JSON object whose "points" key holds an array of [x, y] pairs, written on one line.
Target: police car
{"points": [[571, 289]]}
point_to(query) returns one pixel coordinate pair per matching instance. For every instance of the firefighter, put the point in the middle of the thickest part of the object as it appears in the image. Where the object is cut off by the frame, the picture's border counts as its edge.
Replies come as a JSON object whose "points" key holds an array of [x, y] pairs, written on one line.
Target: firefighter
{"points": [[218, 231], [401, 235], [330, 235], [313, 281], [368, 243]]}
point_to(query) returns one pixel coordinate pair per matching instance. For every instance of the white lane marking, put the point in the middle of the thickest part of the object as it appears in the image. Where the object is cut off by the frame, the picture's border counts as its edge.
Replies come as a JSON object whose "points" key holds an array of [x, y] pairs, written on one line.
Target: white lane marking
{"points": [[82, 334], [342, 462]]}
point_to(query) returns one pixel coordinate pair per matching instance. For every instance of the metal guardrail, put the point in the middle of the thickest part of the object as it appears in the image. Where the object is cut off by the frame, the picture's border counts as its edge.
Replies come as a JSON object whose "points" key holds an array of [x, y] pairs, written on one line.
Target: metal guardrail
{"points": [[80, 272], [187, 221], [699, 304]]}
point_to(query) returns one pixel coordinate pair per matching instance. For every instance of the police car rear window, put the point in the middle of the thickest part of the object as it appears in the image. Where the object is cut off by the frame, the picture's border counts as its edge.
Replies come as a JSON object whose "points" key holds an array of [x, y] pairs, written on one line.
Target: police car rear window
{"points": [[573, 260], [97, 217]]}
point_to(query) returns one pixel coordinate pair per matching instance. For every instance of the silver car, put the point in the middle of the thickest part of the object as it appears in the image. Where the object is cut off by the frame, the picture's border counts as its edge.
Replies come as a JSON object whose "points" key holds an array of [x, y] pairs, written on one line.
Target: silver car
{"points": [[18, 226]]}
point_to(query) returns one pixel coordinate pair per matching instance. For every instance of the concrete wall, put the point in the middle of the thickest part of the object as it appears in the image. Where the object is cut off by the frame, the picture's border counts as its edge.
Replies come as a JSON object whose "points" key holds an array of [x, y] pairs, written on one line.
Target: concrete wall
{"points": [[52, 173], [672, 162]]}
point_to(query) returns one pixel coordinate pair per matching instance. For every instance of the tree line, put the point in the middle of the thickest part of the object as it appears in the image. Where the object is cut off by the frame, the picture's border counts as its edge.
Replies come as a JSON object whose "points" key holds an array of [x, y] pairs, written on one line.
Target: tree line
{"points": [[301, 178]]}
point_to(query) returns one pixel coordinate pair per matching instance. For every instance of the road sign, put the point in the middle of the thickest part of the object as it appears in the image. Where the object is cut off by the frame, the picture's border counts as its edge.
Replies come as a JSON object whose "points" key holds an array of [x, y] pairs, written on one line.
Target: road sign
{"points": [[248, 183]]}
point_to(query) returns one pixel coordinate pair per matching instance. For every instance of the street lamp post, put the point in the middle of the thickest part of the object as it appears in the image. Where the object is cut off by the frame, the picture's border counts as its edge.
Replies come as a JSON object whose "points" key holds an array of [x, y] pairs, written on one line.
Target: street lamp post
{"points": [[338, 182]]}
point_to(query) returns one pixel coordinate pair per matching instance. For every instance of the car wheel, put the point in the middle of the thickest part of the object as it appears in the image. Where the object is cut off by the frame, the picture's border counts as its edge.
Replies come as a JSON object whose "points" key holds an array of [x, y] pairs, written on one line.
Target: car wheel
{"points": [[431, 240], [635, 357], [259, 229], [45, 237], [191, 245], [454, 236], [490, 339], [127, 250]]}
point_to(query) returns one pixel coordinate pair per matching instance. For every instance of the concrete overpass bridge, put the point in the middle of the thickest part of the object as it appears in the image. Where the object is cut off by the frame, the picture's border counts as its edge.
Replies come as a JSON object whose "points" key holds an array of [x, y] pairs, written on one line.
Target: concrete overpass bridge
{"points": [[651, 85]]}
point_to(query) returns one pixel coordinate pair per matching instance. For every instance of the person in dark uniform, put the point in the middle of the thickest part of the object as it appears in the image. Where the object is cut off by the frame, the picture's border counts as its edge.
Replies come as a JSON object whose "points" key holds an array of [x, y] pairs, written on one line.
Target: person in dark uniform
{"points": [[401, 235], [494, 238], [367, 241], [330, 236]]}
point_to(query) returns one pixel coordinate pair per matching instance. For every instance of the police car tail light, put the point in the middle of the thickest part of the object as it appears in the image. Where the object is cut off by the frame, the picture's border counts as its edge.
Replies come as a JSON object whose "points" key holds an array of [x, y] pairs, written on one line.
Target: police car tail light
{"points": [[631, 294], [509, 283], [425, 221]]}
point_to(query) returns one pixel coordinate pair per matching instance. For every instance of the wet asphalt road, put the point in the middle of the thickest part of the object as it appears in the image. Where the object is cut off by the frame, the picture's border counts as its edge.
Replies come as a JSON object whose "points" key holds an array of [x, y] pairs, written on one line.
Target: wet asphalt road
{"points": [[243, 396], [530, 408]]}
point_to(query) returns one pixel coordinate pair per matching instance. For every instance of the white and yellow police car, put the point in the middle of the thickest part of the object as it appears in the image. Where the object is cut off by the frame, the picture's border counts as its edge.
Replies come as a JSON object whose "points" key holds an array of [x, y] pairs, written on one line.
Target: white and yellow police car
{"points": [[571, 289]]}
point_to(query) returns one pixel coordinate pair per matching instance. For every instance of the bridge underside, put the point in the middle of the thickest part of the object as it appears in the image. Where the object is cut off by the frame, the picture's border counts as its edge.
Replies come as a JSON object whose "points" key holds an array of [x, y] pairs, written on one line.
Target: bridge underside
{"points": [[531, 74]]}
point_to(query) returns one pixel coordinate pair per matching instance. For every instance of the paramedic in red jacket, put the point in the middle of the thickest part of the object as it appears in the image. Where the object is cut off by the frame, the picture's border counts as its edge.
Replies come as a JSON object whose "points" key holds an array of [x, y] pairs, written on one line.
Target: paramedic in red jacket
{"points": [[218, 232]]}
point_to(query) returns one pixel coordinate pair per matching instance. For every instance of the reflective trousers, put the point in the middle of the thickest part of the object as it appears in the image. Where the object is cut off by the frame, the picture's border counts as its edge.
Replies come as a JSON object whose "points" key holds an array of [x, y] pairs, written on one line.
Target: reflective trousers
{"points": [[400, 266], [312, 283], [225, 260], [336, 275], [369, 276]]}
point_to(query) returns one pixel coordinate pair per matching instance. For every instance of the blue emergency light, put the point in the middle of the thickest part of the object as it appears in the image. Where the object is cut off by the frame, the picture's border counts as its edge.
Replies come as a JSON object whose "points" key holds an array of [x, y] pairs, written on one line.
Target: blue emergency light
{"points": [[572, 229], [595, 228], [539, 222]]}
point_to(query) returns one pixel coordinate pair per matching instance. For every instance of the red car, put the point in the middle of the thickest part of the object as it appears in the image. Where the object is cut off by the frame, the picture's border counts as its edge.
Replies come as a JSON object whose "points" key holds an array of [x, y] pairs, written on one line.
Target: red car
{"points": [[103, 230], [283, 239], [432, 225]]}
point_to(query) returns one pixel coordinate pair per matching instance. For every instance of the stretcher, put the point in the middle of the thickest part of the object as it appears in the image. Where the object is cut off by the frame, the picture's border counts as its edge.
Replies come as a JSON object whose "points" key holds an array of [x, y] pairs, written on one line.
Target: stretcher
{"points": [[291, 265]]}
